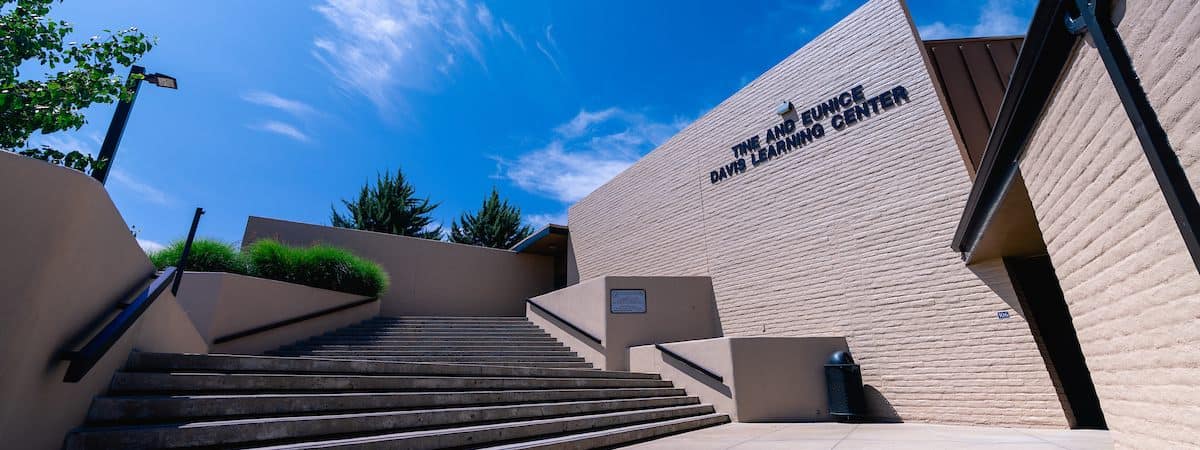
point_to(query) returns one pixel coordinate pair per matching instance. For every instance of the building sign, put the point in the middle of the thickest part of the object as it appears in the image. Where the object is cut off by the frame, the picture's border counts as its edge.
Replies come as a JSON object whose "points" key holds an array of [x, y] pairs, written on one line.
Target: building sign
{"points": [[627, 301], [841, 112]]}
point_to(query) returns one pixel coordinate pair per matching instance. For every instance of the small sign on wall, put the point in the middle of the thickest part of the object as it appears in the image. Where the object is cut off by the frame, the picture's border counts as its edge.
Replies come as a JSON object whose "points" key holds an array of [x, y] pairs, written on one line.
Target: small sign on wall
{"points": [[627, 301], [1002, 315]]}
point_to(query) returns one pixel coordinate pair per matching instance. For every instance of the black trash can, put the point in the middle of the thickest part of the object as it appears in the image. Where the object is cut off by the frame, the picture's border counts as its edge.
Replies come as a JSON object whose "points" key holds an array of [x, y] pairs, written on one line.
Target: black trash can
{"points": [[846, 397]]}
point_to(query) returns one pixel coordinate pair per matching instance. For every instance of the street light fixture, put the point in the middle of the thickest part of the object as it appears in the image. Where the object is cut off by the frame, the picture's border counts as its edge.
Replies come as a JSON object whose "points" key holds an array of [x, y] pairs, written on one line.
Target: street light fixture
{"points": [[116, 128]]}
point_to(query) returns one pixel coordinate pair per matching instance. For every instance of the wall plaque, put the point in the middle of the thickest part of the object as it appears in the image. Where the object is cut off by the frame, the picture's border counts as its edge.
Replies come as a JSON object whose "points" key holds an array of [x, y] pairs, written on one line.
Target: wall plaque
{"points": [[627, 301]]}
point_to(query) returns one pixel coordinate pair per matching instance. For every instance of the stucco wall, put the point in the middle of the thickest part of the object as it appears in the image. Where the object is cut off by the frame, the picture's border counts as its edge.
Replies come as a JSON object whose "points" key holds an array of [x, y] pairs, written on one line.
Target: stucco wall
{"points": [[66, 260], [429, 278], [677, 309], [222, 304], [1133, 291], [847, 236]]}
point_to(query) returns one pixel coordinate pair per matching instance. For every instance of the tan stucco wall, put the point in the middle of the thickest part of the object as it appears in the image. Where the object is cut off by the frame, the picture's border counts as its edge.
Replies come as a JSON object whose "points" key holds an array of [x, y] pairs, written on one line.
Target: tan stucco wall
{"points": [[429, 278], [1133, 291], [222, 304], [764, 379], [66, 258], [848, 236], [677, 309]]}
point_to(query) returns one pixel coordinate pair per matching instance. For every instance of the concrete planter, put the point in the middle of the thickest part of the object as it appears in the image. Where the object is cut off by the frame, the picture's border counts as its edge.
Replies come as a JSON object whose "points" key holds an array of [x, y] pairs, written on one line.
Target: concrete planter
{"points": [[222, 304], [765, 379]]}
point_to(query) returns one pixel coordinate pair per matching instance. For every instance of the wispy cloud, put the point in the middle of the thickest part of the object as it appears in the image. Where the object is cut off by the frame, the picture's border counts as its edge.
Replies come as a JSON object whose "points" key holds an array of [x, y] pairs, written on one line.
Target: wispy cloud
{"points": [[538, 221], [996, 18], [550, 48], [829, 5], [376, 47], [150, 246], [586, 152], [293, 107], [512, 34], [282, 129], [144, 191]]}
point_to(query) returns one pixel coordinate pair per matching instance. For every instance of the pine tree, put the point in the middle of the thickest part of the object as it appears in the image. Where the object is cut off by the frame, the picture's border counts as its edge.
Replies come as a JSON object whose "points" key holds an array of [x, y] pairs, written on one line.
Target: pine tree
{"points": [[391, 206], [497, 225]]}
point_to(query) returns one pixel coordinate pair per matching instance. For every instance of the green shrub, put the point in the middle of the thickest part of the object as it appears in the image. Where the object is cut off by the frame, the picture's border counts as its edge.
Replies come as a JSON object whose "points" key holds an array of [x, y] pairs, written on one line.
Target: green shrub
{"points": [[207, 255], [319, 266]]}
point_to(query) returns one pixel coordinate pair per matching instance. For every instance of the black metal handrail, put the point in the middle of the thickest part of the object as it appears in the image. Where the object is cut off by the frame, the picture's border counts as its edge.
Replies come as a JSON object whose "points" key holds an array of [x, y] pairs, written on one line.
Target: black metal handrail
{"points": [[689, 362], [297, 319], [83, 360], [542, 310]]}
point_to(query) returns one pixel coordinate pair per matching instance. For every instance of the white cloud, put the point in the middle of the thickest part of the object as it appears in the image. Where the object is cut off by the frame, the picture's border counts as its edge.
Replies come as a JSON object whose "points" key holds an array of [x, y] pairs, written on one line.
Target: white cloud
{"points": [[62, 141], [512, 34], [150, 246], [550, 57], [378, 46], [145, 191], [537, 221], [996, 18], [283, 129], [484, 16], [580, 123], [293, 107], [586, 152], [829, 5], [939, 30]]}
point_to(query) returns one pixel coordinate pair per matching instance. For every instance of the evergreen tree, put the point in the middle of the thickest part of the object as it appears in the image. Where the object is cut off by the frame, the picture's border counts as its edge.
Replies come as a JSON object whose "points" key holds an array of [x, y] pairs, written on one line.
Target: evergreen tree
{"points": [[497, 225], [391, 206]]}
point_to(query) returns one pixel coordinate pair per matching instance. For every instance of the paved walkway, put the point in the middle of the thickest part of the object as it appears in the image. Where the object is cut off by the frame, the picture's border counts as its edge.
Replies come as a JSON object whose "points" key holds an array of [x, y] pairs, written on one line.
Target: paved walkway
{"points": [[799, 436]]}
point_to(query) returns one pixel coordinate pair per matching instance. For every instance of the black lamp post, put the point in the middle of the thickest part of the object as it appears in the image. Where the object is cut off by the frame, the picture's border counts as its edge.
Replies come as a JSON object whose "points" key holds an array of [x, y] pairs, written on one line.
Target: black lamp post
{"points": [[108, 150]]}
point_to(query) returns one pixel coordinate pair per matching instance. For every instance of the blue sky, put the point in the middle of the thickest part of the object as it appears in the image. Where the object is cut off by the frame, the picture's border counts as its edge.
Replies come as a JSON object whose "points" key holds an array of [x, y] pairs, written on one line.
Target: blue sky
{"points": [[287, 106]]}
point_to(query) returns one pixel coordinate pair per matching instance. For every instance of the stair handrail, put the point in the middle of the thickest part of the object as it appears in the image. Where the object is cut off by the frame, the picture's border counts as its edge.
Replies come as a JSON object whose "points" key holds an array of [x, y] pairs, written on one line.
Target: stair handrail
{"points": [[542, 310], [293, 320], [84, 359], [690, 363]]}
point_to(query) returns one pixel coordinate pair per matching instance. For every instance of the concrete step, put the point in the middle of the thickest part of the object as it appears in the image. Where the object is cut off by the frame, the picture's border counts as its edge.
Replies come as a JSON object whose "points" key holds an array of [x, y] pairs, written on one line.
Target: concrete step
{"points": [[444, 329], [428, 340], [164, 362], [109, 409], [241, 431], [477, 435], [439, 326], [428, 348], [447, 319], [436, 333], [562, 352], [175, 383], [515, 363], [613, 437], [557, 357]]}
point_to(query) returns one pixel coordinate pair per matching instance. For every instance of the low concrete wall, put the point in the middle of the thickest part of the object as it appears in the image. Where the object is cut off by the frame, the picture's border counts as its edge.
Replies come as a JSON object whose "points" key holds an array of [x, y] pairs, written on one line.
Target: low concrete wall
{"points": [[66, 259], [677, 308], [223, 303], [429, 278], [765, 379]]}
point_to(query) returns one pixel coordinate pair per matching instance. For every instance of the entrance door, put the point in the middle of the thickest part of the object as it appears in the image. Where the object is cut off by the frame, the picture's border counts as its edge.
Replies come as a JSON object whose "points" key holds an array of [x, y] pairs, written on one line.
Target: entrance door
{"points": [[1050, 321]]}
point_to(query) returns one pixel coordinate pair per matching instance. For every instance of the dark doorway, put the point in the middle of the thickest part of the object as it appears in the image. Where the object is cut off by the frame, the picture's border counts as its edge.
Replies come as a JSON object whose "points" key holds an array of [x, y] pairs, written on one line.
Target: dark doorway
{"points": [[1045, 309]]}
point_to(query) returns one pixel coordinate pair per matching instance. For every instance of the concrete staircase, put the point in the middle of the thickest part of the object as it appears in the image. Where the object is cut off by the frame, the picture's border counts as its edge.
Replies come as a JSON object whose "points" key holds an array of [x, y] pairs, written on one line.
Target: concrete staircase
{"points": [[394, 400], [507, 341]]}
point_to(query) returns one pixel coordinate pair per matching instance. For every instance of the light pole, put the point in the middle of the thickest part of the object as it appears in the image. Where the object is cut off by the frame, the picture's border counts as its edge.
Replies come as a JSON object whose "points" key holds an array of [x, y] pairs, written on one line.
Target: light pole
{"points": [[108, 150]]}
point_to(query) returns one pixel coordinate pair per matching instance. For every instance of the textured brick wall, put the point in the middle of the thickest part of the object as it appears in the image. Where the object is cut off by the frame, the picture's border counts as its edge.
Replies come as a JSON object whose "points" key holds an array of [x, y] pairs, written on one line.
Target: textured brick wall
{"points": [[848, 236], [1132, 288]]}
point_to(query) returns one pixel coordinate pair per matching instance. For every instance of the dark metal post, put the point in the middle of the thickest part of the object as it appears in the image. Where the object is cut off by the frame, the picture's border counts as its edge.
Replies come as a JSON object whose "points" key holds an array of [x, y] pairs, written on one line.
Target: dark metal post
{"points": [[116, 128], [187, 248], [1164, 163]]}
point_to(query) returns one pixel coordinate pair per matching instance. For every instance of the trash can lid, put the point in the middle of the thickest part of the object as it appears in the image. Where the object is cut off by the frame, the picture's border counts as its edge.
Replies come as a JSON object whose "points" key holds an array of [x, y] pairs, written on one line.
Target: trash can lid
{"points": [[841, 357]]}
